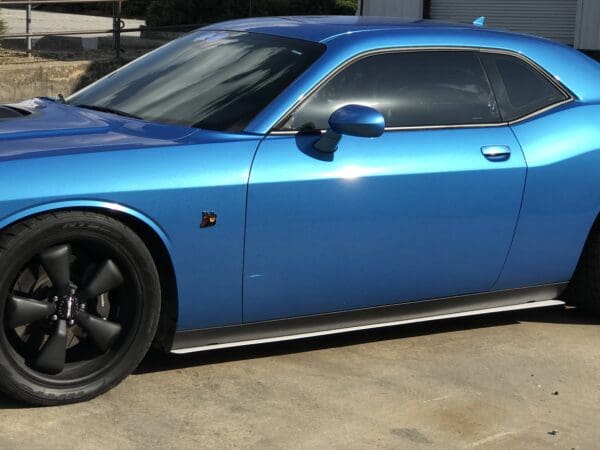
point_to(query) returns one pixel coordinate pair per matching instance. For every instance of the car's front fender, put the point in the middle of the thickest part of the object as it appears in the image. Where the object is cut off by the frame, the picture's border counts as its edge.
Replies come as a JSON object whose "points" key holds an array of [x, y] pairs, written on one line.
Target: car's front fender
{"points": [[83, 204]]}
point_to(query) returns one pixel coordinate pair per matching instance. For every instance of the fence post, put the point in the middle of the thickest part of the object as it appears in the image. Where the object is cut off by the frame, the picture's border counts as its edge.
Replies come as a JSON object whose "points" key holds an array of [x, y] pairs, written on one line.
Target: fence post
{"points": [[28, 27], [117, 27]]}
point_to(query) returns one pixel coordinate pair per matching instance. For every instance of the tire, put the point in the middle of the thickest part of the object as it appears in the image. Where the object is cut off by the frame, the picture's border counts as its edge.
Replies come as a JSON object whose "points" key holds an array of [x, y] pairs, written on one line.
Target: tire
{"points": [[79, 306], [584, 288]]}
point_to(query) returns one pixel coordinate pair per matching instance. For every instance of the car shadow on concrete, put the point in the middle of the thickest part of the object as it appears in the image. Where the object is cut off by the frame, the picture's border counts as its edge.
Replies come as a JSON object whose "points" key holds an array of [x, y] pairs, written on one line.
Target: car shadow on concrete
{"points": [[157, 361], [160, 362]]}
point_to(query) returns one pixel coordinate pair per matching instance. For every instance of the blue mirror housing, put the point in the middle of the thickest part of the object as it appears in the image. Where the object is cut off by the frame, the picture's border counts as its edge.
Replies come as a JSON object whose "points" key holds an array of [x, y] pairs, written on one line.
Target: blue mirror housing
{"points": [[352, 120], [357, 120]]}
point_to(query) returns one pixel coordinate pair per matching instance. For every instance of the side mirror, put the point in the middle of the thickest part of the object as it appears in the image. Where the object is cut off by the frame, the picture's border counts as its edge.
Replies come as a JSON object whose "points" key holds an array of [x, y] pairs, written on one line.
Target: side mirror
{"points": [[353, 120]]}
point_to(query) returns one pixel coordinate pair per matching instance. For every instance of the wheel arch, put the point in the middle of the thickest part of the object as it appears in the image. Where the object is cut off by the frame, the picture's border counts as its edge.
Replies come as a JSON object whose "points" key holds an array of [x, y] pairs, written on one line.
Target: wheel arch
{"points": [[578, 277], [154, 237]]}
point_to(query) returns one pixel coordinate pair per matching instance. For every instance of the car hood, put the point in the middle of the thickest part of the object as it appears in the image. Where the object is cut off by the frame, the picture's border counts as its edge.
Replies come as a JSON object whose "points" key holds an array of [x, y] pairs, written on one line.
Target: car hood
{"points": [[42, 127]]}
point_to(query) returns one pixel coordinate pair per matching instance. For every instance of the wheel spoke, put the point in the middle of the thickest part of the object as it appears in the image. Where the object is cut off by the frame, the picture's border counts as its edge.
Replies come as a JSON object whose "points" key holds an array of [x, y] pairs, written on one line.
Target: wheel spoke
{"points": [[107, 277], [36, 339], [21, 311], [56, 262], [102, 332], [51, 359]]}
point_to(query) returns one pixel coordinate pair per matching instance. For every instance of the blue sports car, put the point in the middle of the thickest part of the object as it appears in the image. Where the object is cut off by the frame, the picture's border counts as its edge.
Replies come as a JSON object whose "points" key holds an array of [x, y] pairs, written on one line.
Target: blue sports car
{"points": [[279, 178]]}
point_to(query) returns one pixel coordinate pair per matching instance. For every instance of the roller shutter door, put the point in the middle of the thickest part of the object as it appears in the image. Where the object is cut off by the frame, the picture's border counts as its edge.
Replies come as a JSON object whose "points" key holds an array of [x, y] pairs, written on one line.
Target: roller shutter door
{"points": [[554, 19]]}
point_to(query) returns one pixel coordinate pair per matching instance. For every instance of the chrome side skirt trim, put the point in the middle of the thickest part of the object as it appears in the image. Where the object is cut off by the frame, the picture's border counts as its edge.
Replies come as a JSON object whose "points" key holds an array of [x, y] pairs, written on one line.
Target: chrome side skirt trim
{"points": [[370, 318], [530, 305]]}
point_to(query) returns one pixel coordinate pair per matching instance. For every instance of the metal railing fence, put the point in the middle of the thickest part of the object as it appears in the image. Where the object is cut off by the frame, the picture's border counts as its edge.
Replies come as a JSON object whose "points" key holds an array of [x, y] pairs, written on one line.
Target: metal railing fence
{"points": [[117, 29]]}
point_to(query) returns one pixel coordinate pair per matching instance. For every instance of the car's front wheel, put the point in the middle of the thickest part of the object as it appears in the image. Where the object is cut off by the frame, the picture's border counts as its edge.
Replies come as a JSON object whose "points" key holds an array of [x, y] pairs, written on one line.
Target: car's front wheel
{"points": [[79, 306]]}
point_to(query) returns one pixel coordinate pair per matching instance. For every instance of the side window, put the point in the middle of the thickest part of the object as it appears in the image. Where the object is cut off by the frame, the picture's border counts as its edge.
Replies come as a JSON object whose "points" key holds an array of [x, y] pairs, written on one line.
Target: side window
{"points": [[520, 88], [427, 88]]}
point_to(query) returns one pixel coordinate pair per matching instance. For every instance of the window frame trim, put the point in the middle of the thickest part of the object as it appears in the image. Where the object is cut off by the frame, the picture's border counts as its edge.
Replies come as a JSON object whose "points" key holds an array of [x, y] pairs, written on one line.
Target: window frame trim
{"points": [[570, 97]]}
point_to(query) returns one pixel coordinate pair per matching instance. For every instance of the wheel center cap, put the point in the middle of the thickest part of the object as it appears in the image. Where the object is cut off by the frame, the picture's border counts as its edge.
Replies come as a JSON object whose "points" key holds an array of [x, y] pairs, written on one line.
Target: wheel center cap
{"points": [[66, 308]]}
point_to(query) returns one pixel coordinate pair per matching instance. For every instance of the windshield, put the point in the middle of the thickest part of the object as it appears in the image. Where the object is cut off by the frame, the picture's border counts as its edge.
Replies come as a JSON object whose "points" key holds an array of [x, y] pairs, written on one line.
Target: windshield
{"points": [[216, 80]]}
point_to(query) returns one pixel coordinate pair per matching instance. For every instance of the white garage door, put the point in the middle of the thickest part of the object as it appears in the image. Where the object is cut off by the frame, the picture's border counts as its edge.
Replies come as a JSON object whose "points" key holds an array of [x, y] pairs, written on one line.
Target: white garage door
{"points": [[554, 19]]}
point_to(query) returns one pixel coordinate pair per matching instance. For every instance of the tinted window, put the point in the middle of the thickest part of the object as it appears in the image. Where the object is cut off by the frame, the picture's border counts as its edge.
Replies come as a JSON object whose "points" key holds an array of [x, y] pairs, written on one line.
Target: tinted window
{"points": [[213, 80], [520, 88], [409, 89]]}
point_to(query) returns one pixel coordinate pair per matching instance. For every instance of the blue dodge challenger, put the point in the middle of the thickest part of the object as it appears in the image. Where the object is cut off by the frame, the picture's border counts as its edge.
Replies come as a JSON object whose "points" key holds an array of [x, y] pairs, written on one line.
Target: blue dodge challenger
{"points": [[272, 179]]}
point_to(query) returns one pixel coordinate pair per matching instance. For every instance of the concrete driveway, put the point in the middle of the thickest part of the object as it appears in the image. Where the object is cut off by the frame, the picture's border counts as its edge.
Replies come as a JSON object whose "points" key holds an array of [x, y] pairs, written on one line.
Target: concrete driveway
{"points": [[43, 21], [518, 380]]}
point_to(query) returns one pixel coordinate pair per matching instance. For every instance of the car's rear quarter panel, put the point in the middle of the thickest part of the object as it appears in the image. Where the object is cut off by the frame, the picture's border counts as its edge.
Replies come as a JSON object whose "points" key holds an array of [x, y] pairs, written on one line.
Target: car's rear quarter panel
{"points": [[562, 195]]}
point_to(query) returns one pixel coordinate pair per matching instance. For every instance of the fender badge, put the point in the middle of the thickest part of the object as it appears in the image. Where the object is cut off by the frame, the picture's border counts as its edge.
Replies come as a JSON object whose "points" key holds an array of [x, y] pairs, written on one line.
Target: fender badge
{"points": [[209, 219]]}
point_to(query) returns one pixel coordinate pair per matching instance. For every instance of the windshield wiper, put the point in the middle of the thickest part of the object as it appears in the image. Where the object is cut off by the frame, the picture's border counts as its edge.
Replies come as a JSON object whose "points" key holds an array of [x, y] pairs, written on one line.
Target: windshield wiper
{"points": [[108, 110]]}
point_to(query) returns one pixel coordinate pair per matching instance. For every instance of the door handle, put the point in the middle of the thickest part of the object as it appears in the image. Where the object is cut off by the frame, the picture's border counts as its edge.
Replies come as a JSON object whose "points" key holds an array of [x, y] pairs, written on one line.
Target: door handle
{"points": [[496, 153]]}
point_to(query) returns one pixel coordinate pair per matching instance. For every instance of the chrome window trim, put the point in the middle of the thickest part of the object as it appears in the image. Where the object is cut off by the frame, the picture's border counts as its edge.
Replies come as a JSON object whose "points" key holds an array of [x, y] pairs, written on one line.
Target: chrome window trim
{"points": [[553, 80], [541, 111], [409, 128]]}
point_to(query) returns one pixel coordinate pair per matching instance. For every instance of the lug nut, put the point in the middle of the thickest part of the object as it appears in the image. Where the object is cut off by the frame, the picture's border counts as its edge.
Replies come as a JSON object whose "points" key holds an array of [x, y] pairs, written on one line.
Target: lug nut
{"points": [[71, 322], [54, 317]]}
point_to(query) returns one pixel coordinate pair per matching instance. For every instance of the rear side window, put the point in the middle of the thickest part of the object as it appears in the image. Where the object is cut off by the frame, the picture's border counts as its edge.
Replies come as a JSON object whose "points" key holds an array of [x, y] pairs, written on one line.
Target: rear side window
{"points": [[520, 88], [425, 88]]}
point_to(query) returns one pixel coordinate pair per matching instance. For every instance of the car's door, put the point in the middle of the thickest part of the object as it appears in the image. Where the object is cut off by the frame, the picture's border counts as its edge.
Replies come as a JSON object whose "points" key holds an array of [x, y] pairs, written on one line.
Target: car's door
{"points": [[427, 210]]}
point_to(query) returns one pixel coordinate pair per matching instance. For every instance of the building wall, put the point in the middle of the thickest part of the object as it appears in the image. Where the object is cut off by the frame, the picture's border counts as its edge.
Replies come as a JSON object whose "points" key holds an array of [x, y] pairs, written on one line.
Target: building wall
{"points": [[410, 9], [587, 34], [574, 22], [553, 19]]}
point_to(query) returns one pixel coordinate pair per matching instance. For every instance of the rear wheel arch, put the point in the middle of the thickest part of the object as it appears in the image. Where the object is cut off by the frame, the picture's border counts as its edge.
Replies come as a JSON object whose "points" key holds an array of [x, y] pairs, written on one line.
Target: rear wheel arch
{"points": [[155, 241], [584, 286]]}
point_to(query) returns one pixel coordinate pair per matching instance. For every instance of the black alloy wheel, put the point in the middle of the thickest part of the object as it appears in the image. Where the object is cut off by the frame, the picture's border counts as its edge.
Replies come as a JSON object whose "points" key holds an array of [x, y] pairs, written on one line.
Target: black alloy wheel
{"points": [[81, 300]]}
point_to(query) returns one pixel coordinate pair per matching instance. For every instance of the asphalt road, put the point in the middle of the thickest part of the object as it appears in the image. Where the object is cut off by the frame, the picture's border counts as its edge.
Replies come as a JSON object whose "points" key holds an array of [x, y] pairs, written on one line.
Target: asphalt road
{"points": [[525, 379]]}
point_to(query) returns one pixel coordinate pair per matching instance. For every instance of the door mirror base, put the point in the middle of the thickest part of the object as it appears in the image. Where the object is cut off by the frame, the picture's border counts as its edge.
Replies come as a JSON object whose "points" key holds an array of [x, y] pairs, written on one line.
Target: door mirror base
{"points": [[328, 142]]}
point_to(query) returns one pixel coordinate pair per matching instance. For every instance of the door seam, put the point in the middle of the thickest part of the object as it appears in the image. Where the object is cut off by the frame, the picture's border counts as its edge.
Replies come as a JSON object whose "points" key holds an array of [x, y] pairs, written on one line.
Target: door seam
{"points": [[246, 225], [518, 220]]}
